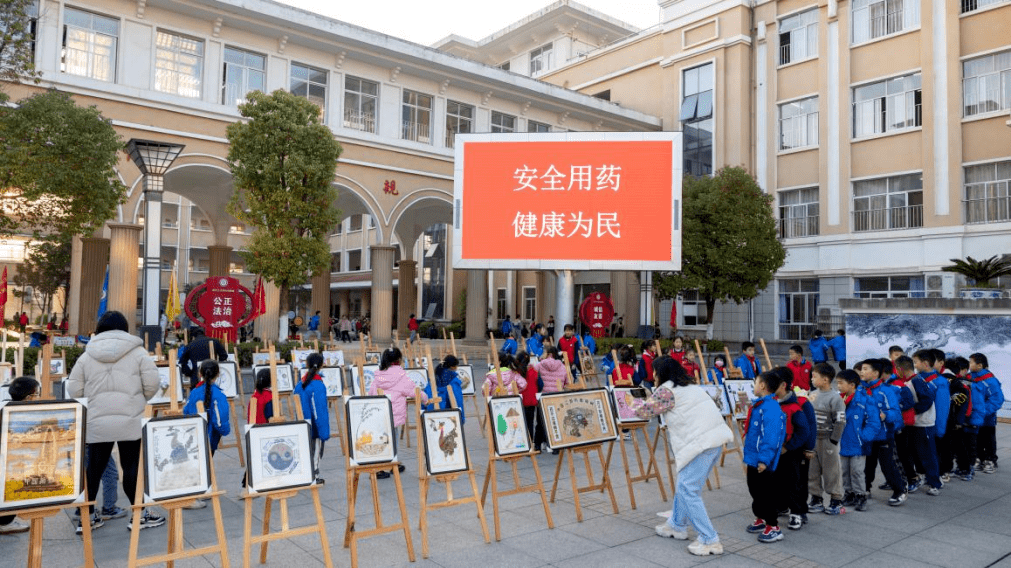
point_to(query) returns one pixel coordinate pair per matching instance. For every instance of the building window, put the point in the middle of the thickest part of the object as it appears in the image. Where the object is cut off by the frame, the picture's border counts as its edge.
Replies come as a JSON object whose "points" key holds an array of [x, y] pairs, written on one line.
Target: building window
{"points": [[416, 117], [887, 106], [355, 260], [987, 191], [500, 303], [179, 65], [888, 287], [798, 37], [19, 30], [541, 59], [798, 308], [244, 72], [459, 120], [972, 5], [335, 262], [309, 83], [888, 203], [876, 18], [529, 303], [89, 44], [693, 308], [433, 268], [986, 83], [355, 223], [361, 99], [798, 124], [798, 212], [534, 126], [697, 119], [501, 122], [505, 66]]}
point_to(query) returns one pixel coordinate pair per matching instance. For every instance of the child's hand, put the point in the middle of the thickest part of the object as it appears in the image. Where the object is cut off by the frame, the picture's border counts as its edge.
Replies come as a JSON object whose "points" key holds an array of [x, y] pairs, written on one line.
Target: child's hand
{"points": [[761, 467], [782, 451]]}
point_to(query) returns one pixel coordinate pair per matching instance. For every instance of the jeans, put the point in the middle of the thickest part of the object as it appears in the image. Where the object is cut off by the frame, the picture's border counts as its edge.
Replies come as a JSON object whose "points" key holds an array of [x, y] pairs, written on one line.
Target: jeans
{"points": [[688, 505]]}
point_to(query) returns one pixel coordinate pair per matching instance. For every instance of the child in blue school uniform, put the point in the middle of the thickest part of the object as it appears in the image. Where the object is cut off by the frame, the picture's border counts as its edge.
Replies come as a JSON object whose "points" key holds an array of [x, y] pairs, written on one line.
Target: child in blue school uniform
{"points": [[818, 346], [993, 400], [216, 407], [763, 442], [311, 392], [446, 379], [862, 424], [718, 371], [509, 345], [749, 364]]}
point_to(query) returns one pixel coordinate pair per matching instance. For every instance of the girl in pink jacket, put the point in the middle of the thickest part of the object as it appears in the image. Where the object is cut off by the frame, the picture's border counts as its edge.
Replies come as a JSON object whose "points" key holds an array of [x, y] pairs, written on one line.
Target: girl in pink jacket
{"points": [[397, 386], [552, 370], [507, 363]]}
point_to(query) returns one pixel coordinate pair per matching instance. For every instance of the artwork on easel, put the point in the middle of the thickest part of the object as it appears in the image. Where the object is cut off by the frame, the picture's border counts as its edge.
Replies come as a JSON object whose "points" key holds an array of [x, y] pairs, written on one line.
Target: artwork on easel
{"points": [[333, 358], [369, 371], [177, 457], [466, 374], [280, 456], [57, 366], [5, 393], [41, 453], [299, 357], [719, 396], [577, 418], [623, 398], [6, 373], [284, 376], [370, 429], [162, 396], [740, 393], [445, 444], [418, 376], [260, 359], [511, 435], [226, 381], [332, 380], [373, 357]]}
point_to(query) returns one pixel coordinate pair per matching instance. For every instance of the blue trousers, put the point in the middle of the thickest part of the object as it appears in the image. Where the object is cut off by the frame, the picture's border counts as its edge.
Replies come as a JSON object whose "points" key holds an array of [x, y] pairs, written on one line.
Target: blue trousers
{"points": [[110, 481], [688, 504], [922, 439]]}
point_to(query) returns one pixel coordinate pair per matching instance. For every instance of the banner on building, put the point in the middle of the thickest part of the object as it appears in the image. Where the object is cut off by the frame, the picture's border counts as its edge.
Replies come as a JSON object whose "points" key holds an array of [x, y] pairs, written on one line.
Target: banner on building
{"points": [[221, 306]]}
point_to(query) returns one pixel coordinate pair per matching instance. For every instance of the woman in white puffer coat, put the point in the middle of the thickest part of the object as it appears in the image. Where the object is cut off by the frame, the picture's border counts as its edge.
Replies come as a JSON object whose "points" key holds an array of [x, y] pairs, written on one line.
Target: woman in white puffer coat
{"points": [[117, 376], [697, 432]]}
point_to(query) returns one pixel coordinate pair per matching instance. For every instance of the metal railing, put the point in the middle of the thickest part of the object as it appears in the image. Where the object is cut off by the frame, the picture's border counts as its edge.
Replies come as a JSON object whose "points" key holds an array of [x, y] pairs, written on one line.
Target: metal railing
{"points": [[888, 219], [416, 131], [987, 210], [798, 227], [356, 120], [784, 54]]}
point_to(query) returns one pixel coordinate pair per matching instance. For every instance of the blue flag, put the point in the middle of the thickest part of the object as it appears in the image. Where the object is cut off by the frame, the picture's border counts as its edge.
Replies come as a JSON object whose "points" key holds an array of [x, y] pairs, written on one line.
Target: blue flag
{"points": [[103, 303]]}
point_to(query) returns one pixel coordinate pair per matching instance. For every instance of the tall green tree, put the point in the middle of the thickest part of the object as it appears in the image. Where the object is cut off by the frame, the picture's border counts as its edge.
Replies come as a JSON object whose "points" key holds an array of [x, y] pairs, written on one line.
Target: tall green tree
{"points": [[17, 41], [283, 161], [46, 269], [730, 248]]}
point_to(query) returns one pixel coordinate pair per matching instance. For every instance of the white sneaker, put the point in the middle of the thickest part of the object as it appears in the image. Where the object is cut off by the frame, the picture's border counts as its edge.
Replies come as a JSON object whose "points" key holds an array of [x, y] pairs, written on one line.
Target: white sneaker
{"points": [[15, 526], [665, 530], [197, 504], [699, 549]]}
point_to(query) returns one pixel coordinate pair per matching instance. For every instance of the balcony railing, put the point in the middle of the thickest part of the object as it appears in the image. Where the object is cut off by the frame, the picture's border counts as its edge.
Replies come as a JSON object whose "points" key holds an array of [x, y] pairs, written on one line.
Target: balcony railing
{"points": [[987, 210], [888, 219], [784, 54], [798, 227], [366, 122], [416, 131]]}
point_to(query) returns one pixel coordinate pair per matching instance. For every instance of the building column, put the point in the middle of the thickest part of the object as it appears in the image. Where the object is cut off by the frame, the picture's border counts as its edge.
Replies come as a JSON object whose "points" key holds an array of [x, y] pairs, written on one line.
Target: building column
{"points": [[320, 300], [124, 247], [477, 307], [632, 297], [266, 326], [407, 294], [565, 291], [344, 301], [87, 274], [381, 258], [220, 259]]}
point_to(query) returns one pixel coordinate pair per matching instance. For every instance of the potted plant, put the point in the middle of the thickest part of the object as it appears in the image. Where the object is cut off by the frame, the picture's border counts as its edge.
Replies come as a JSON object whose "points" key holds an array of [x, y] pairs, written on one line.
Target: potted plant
{"points": [[980, 274]]}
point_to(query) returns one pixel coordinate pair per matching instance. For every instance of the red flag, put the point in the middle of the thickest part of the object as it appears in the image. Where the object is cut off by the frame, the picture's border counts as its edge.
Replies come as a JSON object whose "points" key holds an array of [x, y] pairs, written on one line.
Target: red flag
{"points": [[674, 314], [259, 299], [3, 295]]}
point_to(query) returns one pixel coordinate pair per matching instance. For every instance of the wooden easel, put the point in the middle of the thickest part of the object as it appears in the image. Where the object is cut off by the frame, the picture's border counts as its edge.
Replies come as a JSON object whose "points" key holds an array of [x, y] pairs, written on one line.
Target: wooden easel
{"points": [[732, 371], [238, 409], [765, 353], [425, 480], [644, 474], [586, 362], [281, 496]]}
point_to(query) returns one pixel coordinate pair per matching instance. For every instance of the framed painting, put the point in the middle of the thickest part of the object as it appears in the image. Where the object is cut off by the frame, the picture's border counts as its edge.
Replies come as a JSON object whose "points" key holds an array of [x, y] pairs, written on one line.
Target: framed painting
{"points": [[228, 378], [41, 453], [57, 366], [740, 392], [333, 358], [261, 359], [280, 456], [466, 373], [231, 357], [445, 445], [356, 385], [370, 429], [418, 376], [177, 457], [299, 356], [332, 378], [577, 418], [284, 376], [162, 396], [6, 373], [5, 393], [719, 397], [511, 435], [623, 397], [372, 357]]}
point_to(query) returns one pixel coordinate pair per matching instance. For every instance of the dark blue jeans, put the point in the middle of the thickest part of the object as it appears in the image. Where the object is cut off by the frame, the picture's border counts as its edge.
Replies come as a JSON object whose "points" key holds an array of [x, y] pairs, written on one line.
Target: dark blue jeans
{"points": [[922, 439]]}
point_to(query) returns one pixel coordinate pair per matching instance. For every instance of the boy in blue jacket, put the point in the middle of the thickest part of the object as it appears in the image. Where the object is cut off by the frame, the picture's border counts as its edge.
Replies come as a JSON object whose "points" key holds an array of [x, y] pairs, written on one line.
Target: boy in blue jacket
{"points": [[967, 409], [535, 344], [446, 379], [993, 401], [801, 437], [863, 422], [921, 433], [838, 345], [750, 366], [311, 391], [765, 430], [509, 345], [819, 347], [883, 445]]}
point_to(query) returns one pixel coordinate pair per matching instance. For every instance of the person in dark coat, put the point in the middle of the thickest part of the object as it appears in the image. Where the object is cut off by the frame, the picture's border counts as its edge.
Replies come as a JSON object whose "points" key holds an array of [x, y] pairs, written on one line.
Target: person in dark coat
{"points": [[197, 351]]}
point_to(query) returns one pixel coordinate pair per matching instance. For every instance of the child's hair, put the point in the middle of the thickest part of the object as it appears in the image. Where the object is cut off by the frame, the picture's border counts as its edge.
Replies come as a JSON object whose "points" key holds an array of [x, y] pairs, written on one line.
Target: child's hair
{"points": [[209, 370], [747, 345], [721, 358], [895, 349], [817, 333], [667, 369], [646, 344], [391, 356], [925, 355], [841, 331], [979, 359], [939, 355], [850, 376], [904, 363], [314, 361], [786, 375], [522, 361], [626, 355], [449, 362], [952, 365], [797, 349], [23, 387], [873, 363], [262, 380], [536, 328], [825, 370], [552, 352], [505, 360], [771, 380], [962, 362]]}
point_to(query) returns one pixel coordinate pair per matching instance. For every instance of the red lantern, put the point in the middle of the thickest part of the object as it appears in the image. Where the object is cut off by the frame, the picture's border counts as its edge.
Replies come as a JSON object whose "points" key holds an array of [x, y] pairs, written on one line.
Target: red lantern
{"points": [[596, 313], [221, 306]]}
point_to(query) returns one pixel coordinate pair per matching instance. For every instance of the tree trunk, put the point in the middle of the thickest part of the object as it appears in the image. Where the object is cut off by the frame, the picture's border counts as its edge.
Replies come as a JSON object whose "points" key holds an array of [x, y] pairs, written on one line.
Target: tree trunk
{"points": [[710, 307], [282, 308]]}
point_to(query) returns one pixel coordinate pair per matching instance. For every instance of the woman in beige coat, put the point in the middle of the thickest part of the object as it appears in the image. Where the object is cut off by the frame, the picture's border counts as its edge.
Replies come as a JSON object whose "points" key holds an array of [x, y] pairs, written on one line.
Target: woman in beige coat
{"points": [[117, 377]]}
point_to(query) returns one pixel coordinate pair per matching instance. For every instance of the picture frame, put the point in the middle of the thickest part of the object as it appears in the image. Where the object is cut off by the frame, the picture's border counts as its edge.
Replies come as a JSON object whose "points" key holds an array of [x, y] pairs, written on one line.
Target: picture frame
{"points": [[299, 357], [228, 377], [621, 398], [280, 456], [740, 393], [445, 444], [41, 453], [577, 418], [370, 429], [5, 393], [418, 376], [285, 376], [177, 457], [162, 396], [511, 435], [6, 373], [260, 359], [373, 357], [333, 378], [719, 396], [333, 358], [57, 366], [466, 373], [356, 387]]}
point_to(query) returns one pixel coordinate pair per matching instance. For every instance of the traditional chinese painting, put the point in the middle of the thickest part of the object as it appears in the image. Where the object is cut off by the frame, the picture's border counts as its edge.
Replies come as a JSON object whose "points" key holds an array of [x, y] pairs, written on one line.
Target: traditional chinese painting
{"points": [[280, 456], [333, 358], [177, 457], [228, 378], [511, 435], [370, 429], [623, 398], [41, 453], [333, 381], [466, 374], [418, 376], [576, 418], [740, 393], [361, 387], [162, 396], [284, 376], [719, 396], [445, 445], [299, 356]]}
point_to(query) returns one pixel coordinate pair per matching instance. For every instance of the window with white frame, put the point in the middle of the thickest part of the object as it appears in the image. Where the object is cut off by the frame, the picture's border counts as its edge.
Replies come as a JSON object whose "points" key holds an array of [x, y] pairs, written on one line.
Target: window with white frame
{"points": [[876, 18], [973, 5], [798, 124], [500, 303], [501, 122], [534, 126], [888, 287], [887, 106], [888, 203], [541, 59], [696, 116], [798, 212], [309, 83], [798, 37], [459, 120], [988, 193], [90, 42], [986, 83], [416, 117], [798, 308], [693, 308], [179, 65], [529, 303], [361, 101], [19, 25], [244, 72], [505, 66]]}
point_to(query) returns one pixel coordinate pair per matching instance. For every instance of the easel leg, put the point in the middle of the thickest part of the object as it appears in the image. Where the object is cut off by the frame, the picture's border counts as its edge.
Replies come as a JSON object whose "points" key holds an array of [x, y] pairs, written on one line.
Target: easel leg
{"points": [[238, 437], [607, 479], [247, 531], [35, 542], [89, 554], [650, 464], [558, 470], [423, 516], [477, 413], [607, 462], [544, 496], [480, 508], [494, 499], [403, 514], [323, 540], [171, 535], [352, 487], [575, 486], [267, 508], [628, 474]]}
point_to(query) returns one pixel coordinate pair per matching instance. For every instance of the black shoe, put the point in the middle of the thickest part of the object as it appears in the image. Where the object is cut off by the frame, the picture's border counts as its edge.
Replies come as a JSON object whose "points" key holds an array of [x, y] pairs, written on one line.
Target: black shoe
{"points": [[816, 505], [862, 503], [401, 468], [886, 486], [383, 475], [849, 499]]}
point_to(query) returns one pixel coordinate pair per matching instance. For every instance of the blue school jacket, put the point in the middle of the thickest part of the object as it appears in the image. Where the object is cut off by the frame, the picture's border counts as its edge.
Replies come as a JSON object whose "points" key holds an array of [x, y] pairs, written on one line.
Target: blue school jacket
{"points": [[818, 346], [863, 422], [939, 385], [447, 379], [994, 396], [744, 364], [535, 346], [217, 415], [838, 345], [886, 398], [314, 409], [766, 432], [509, 346], [590, 343]]}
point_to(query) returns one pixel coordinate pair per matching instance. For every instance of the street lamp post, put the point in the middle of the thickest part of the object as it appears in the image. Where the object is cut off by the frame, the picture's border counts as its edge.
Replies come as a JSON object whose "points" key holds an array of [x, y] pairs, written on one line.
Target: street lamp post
{"points": [[153, 159]]}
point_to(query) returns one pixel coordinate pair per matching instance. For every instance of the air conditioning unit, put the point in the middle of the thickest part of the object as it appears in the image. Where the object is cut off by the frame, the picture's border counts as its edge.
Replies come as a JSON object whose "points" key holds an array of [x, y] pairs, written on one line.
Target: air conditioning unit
{"points": [[939, 284]]}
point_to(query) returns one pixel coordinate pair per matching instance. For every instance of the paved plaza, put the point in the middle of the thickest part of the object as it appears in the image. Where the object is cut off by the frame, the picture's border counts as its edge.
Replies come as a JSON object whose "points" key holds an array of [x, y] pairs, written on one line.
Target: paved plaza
{"points": [[969, 524]]}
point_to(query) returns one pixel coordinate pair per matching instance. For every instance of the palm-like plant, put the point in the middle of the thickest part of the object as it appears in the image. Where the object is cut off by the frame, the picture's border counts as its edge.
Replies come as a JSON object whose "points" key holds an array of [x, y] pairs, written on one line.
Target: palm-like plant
{"points": [[980, 272]]}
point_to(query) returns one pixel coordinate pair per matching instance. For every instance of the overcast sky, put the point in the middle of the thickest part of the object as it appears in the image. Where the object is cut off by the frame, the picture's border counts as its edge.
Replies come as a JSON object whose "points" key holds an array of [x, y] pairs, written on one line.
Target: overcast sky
{"points": [[428, 22]]}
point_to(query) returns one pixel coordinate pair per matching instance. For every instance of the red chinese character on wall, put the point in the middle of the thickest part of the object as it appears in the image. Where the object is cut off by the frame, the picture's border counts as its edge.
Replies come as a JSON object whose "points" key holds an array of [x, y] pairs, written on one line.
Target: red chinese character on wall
{"points": [[390, 187]]}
